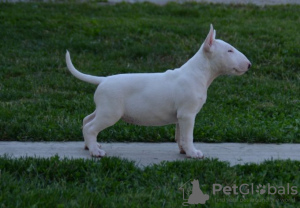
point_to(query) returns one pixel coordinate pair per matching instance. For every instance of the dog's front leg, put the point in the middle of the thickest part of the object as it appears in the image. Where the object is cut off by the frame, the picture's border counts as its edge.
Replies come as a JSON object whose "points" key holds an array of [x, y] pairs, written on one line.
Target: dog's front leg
{"points": [[178, 140], [186, 126]]}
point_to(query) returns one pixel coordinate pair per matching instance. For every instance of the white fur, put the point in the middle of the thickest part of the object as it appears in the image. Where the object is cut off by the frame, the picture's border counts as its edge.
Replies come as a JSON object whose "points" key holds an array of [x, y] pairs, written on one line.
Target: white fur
{"points": [[155, 99]]}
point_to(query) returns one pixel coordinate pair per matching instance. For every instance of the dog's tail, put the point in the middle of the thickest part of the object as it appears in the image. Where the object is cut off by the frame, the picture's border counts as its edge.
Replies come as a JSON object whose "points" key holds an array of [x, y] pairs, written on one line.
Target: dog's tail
{"points": [[84, 77]]}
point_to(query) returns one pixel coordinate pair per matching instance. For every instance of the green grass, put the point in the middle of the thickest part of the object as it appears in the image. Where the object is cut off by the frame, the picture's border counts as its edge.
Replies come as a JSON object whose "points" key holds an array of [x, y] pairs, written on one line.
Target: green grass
{"points": [[41, 100], [112, 182]]}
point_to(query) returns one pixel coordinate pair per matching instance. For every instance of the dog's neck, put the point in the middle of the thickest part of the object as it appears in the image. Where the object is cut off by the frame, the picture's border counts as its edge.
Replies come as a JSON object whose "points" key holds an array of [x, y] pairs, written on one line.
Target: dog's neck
{"points": [[201, 68]]}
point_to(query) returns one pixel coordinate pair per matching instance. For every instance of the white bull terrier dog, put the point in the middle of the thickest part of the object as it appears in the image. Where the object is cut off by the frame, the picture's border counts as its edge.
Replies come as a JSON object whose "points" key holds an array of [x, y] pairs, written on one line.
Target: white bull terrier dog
{"points": [[156, 99]]}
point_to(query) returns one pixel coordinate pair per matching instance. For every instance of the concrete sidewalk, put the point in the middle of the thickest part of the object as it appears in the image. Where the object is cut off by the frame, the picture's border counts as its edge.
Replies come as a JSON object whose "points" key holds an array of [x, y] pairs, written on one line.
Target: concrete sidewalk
{"points": [[145, 154]]}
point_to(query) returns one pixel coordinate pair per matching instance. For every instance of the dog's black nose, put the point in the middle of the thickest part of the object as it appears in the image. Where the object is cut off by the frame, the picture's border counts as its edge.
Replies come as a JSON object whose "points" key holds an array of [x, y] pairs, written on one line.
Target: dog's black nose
{"points": [[249, 65]]}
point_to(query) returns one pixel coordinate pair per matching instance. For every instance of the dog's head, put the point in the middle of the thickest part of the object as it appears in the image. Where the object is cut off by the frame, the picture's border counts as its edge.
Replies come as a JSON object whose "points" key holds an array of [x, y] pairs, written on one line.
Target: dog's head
{"points": [[223, 56]]}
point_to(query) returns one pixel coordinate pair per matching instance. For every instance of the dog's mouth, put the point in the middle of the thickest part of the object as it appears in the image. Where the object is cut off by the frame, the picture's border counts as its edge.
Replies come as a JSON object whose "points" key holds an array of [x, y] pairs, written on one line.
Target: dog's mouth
{"points": [[239, 71], [242, 68]]}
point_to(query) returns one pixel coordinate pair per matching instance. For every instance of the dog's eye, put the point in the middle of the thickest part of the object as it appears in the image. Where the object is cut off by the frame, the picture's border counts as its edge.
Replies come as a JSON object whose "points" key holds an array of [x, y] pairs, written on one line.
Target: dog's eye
{"points": [[230, 51]]}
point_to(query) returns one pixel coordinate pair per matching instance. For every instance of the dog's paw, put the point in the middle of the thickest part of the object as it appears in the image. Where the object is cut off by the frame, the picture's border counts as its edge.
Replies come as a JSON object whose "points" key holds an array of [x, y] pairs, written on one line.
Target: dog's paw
{"points": [[97, 152], [86, 147], [195, 154], [181, 150]]}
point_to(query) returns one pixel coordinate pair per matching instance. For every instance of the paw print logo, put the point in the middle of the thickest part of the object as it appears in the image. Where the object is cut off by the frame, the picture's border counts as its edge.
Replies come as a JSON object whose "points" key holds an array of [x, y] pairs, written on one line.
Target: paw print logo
{"points": [[261, 189]]}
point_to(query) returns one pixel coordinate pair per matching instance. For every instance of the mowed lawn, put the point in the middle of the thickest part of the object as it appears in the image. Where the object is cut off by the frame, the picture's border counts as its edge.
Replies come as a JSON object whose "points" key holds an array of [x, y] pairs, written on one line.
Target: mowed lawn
{"points": [[41, 101]]}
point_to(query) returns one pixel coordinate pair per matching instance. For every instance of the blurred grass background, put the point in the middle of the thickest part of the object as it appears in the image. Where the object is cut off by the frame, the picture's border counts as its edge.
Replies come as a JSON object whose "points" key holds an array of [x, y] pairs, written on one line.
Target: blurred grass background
{"points": [[41, 101]]}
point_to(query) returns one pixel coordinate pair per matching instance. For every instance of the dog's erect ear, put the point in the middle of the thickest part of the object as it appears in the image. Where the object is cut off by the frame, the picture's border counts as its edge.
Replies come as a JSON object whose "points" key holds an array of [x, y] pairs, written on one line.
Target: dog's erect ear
{"points": [[209, 39], [215, 33]]}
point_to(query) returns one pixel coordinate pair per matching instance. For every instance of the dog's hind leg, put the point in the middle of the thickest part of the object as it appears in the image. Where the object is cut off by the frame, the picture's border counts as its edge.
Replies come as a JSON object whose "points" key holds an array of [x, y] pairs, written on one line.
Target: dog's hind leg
{"points": [[103, 118], [178, 139], [86, 120]]}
